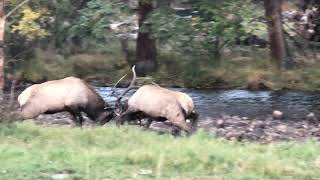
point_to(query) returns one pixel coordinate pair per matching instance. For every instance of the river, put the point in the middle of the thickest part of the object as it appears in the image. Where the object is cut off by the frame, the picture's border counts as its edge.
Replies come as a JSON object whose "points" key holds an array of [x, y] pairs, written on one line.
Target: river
{"points": [[243, 103]]}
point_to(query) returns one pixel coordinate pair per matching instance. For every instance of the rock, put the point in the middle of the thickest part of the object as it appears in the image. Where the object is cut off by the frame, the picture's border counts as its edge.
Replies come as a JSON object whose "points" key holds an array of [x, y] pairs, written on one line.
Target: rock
{"points": [[242, 123], [277, 114], [311, 118], [213, 129], [145, 171], [229, 128], [258, 132], [269, 139], [250, 129], [233, 139], [237, 118], [282, 128], [59, 176], [225, 116], [258, 124], [230, 135], [220, 123], [315, 132]]}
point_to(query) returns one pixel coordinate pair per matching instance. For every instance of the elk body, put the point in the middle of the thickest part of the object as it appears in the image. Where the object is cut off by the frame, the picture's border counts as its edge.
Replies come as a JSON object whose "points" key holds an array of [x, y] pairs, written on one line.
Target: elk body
{"points": [[69, 94], [160, 104]]}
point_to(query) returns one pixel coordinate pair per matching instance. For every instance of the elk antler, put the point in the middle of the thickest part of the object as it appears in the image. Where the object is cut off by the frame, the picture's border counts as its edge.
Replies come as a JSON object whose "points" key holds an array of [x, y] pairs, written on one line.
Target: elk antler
{"points": [[131, 85], [118, 104], [113, 91]]}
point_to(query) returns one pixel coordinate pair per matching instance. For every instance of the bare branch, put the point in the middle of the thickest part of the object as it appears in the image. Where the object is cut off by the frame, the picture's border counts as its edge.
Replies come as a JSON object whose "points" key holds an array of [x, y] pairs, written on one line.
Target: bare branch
{"points": [[16, 8]]}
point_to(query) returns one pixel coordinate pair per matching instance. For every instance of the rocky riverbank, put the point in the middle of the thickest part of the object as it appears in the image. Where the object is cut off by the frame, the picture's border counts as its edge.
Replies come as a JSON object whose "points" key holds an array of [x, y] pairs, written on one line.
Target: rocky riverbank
{"points": [[229, 127], [262, 130]]}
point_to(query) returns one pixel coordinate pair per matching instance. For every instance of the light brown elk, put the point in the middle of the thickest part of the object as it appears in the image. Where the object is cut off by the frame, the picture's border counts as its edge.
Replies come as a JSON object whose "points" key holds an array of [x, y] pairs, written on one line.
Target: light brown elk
{"points": [[157, 103], [70, 94]]}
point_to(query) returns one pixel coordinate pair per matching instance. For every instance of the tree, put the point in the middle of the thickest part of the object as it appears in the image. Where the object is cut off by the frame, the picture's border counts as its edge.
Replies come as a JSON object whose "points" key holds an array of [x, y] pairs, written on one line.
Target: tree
{"points": [[2, 30], [203, 28], [146, 51], [36, 30], [278, 46]]}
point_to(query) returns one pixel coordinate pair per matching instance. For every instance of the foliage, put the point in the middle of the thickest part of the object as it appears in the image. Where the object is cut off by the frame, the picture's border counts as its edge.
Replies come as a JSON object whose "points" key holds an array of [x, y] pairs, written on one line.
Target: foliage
{"points": [[30, 23], [77, 33], [28, 151], [93, 23], [209, 27]]}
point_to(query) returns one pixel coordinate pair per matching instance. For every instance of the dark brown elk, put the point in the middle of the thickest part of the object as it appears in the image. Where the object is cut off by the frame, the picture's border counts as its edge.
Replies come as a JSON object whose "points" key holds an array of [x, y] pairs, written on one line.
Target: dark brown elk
{"points": [[157, 103], [69, 94]]}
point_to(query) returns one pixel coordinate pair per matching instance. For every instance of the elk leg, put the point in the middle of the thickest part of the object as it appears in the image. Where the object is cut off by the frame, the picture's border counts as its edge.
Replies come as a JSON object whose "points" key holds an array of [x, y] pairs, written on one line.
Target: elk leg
{"points": [[176, 131], [147, 125], [74, 116], [135, 118], [104, 118], [180, 122], [194, 119], [77, 117], [80, 118], [122, 118]]}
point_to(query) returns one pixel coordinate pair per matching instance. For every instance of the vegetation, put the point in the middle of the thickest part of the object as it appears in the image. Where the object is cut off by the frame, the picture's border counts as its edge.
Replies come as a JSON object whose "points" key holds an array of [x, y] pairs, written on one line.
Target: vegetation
{"points": [[203, 39], [238, 70], [32, 152]]}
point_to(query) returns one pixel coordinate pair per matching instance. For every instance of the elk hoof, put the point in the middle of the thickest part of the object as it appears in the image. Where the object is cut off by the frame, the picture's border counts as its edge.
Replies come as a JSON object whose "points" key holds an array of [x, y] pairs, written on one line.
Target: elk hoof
{"points": [[176, 132]]}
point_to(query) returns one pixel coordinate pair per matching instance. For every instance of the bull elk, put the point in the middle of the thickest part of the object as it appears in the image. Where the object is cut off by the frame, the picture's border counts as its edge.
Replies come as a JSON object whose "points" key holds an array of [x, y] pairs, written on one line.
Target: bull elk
{"points": [[70, 94], [157, 103]]}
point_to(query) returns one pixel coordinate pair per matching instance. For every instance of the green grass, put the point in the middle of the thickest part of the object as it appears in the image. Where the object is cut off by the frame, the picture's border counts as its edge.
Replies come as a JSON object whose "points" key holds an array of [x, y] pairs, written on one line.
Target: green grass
{"points": [[28, 151], [46, 65]]}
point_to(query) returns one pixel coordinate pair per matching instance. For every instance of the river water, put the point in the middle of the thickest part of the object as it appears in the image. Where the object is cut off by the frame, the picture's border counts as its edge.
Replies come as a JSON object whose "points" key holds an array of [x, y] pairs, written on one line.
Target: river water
{"points": [[243, 103]]}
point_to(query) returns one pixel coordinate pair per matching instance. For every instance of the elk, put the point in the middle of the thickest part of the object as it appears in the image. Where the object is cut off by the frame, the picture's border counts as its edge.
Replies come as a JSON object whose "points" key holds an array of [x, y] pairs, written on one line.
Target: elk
{"points": [[70, 94], [160, 104]]}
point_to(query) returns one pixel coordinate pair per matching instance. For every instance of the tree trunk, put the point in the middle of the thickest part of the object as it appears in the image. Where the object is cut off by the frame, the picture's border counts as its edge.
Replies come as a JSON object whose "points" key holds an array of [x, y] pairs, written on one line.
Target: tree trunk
{"points": [[146, 51], [2, 55], [278, 47]]}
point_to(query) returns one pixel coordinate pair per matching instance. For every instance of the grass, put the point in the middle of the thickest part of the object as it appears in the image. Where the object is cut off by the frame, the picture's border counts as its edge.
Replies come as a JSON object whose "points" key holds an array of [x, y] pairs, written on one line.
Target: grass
{"points": [[237, 70], [48, 65], [28, 151]]}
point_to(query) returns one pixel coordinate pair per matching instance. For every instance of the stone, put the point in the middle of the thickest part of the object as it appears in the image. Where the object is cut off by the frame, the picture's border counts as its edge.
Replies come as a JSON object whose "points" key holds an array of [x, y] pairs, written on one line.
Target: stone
{"points": [[315, 132], [277, 114], [258, 124], [311, 117], [250, 129], [59, 176], [242, 123], [220, 123], [282, 128], [224, 116], [236, 118]]}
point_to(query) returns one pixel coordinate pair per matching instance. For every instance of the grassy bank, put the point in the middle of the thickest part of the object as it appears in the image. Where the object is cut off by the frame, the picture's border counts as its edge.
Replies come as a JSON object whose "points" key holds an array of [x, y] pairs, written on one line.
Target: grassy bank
{"points": [[32, 152], [236, 70]]}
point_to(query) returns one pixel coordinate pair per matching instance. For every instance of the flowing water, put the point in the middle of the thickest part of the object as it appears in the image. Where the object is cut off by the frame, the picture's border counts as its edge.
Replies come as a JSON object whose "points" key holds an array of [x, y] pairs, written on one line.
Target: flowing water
{"points": [[243, 103]]}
